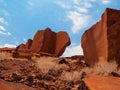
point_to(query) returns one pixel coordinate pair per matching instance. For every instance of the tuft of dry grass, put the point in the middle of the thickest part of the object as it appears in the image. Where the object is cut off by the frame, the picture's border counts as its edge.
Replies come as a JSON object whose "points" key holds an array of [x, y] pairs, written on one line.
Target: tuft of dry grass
{"points": [[5, 55], [71, 76], [48, 63], [105, 67], [102, 68]]}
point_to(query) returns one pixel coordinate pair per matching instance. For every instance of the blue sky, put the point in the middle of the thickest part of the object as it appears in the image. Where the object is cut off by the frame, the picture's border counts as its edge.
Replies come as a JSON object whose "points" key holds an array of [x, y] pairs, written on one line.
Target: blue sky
{"points": [[20, 19]]}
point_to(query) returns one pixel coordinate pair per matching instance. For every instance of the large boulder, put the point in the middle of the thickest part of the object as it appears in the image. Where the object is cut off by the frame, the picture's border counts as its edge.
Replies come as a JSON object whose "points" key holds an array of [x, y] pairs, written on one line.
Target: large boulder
{"points": [[46, 42], [62, 40], [97, 82], [101, 41]]}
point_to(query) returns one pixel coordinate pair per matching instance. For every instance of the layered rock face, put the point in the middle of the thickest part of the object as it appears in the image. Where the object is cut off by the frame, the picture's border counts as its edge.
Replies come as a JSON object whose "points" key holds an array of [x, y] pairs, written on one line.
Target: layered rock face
{"points": [[47, 42], [101, 41]]}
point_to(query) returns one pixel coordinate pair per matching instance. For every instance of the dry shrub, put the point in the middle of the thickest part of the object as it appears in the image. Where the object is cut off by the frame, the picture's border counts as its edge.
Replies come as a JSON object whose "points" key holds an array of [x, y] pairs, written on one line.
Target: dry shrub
{"points": [[102, 68], [71, 76], [118, 71], [5, 55], [48, 63], [88, 70], [105, 67]]}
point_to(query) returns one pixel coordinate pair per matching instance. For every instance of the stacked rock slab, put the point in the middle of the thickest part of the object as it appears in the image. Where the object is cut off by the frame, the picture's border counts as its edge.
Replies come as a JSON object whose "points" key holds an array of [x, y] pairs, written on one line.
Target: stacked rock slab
{"points": [[47, 42], [101, 41]]}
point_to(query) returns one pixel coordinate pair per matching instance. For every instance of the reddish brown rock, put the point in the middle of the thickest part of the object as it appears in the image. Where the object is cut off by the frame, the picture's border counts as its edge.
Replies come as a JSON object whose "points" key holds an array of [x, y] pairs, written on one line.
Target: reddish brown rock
{"points": [[101, 41], [25, 47], [62, 40], [12, 86], [21, 47], [29, 43], [6, 49], [50, 42], [44, 41], [96, 82]]}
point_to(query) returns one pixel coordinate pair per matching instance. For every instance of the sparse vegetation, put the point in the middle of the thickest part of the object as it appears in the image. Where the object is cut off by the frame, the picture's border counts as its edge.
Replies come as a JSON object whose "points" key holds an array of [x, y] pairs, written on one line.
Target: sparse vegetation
{"points": [[48, 63], [62, 73], [5, 55], [71, 76], [103, 68]]}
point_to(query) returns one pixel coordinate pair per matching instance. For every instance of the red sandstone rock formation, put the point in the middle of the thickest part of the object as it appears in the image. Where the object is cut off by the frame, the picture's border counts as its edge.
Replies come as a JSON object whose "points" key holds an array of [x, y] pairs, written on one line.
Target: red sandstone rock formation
{"points": [[46, 42], [101, 41], [28, 44], [6, 49], [21, 47], [96, 82], [62, 40]]}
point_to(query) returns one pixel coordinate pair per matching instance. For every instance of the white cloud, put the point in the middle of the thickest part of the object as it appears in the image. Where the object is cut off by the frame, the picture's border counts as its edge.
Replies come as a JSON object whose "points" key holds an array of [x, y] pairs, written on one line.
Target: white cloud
{"points": [[2, 28], [73, 50], [24, 39], [79, 20], [106, 1], [93, 0], [63, 5], [2, 20], [5, 33], [77, 11], [87, 4], [81, 9], [8, 45], [8, 33], [76, 1]]}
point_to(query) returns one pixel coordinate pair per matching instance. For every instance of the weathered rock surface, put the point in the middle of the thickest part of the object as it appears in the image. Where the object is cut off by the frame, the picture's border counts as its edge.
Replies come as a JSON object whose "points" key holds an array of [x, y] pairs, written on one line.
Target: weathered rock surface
{"points": [[29, 43], [21, 47], [32, 74], [13, 86], [101, 41], [6, 49], [46, 42], [96, 82], [62, 40]]}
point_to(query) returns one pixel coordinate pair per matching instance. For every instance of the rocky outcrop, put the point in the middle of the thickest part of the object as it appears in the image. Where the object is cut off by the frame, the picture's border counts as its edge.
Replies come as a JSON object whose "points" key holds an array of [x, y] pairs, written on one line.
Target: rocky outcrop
{"points": [[97, 82], [62, 40], [101, 41], [29, 43], [46, 42], [6, 49]]}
